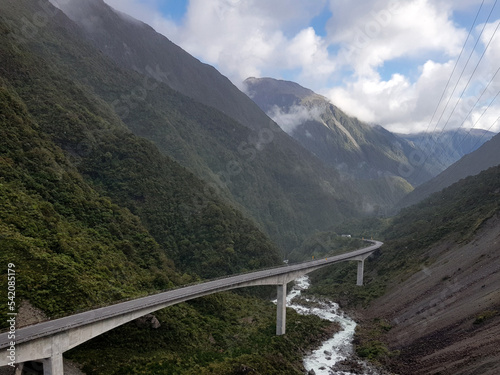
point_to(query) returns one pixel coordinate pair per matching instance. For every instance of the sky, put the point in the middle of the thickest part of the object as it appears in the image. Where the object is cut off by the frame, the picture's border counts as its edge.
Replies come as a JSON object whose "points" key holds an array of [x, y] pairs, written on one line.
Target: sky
{"points": [[408, 65]]}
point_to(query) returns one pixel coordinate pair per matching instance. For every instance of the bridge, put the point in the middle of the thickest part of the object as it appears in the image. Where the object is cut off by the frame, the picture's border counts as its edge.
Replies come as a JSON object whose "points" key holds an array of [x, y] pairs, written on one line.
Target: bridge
{"points": [[47, 341]]}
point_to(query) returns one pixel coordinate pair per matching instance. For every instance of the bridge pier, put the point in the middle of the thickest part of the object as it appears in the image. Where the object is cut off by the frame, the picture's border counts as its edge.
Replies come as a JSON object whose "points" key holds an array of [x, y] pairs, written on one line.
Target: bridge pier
{"points": [[281, 310], [361, 269], [53, 365], [52, 338], [19, 369]]}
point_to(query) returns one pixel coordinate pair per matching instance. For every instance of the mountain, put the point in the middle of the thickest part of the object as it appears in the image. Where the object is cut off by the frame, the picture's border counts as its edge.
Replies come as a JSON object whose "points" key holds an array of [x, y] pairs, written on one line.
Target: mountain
{"points": [[488, 155], [449, 146], [85, 187], [430, 304], [134, 45], [91, 213], [444, 308], [249, 161], [381, 160]]}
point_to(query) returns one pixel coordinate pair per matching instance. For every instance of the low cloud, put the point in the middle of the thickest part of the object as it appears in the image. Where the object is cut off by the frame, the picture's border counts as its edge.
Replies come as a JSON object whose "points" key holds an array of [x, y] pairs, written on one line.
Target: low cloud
{"points": [[294, 117]]}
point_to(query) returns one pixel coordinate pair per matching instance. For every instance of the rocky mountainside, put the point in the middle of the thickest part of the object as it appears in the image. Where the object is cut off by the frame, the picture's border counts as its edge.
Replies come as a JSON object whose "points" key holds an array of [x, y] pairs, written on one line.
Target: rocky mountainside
{"points": [[341, 141], [446, 318], [377, 160], [430, 303], [488, 155], [449, 146], [442, 301]]}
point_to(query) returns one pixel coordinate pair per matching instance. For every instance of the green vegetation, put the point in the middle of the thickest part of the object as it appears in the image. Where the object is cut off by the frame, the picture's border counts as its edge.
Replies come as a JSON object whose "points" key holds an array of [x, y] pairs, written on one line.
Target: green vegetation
{"points": [[322, 244], [72, 247], [91, 214], [369, 341], [261, 172], [221, 334], [486, 315], [454, 214]]}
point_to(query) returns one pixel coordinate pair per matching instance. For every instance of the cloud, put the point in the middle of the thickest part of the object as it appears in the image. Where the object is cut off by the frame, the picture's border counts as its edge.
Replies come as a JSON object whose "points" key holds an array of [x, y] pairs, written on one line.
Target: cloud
{"points": [[405, 103], [244, 38], [295, 116], [379, 31]]}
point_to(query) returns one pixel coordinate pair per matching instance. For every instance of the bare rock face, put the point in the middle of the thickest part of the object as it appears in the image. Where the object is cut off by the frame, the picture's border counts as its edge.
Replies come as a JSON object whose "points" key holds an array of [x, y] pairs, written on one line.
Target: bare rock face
{"points": [[28, 314], [148, 321]]}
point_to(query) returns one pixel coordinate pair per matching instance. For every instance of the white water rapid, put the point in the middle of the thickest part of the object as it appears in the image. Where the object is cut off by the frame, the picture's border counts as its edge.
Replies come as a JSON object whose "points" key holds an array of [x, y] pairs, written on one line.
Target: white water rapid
{"points": [[335, 349]]}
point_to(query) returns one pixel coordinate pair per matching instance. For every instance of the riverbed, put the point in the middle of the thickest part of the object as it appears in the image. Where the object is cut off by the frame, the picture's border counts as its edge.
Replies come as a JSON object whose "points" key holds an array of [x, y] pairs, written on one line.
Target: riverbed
{"points": [[324, 360]]}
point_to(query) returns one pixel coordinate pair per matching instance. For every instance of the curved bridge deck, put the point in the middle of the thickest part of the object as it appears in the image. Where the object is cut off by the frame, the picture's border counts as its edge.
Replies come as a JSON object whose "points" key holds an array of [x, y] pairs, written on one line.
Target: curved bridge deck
{"points": [[48, 340]]}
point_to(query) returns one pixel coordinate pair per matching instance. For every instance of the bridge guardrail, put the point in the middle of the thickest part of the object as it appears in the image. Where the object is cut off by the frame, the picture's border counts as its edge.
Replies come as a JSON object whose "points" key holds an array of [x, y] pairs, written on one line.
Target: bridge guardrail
{"points": [[103, 305]]}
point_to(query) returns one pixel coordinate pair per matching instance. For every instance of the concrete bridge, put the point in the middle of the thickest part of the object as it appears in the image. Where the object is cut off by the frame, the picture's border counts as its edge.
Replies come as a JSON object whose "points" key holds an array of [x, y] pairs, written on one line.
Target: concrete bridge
{"points": [[46, 342]]}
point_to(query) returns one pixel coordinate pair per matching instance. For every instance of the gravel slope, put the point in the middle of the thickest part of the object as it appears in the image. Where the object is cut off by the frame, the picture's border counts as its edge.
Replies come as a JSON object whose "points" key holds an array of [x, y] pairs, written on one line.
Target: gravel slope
{"points": [[436, 314]]}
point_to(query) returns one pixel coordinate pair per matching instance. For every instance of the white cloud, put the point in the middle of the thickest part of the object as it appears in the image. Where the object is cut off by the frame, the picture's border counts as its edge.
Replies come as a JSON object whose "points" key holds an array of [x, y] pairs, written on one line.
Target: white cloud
{"points": [[405, 104], [295, 116], [244, 38], [143, 10]]}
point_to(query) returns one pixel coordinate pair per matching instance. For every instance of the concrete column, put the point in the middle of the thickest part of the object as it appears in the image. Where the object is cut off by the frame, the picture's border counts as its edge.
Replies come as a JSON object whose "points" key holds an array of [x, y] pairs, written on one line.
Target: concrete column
{"points": [[53, 365], [281, 310], [19, 369], [361, 268]]}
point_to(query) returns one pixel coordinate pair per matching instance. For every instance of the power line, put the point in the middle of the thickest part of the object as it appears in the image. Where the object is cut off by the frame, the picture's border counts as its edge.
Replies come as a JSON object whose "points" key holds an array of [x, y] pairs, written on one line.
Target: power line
{"points": [[466, 64], [470, 78], [472, 109], [458, 81], [455, 67], [493, 124]]}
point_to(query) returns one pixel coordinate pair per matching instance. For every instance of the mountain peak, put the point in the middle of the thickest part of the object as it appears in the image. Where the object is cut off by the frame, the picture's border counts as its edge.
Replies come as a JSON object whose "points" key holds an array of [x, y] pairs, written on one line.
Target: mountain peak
{"points": [[285, 92]]}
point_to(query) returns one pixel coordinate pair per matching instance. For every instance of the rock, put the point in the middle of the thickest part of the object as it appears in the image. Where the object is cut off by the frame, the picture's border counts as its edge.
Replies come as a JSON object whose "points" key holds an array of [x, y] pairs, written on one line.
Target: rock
{"points": [[28, 315], [311, 372], [326, 352], [350, 366], [148, 321]]}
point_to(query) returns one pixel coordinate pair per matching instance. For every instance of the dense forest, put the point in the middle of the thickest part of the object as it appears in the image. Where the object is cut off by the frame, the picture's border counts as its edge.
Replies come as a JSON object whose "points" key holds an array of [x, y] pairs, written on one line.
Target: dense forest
{"points": [[92, 214]]}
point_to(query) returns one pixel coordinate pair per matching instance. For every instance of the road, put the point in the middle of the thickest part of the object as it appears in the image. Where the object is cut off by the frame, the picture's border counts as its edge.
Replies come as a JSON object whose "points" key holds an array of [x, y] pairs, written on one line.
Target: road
{"points": [[181, 294]]}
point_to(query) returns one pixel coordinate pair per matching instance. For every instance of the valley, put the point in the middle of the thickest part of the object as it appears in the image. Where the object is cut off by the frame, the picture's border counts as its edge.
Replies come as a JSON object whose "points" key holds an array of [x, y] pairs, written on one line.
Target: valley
{"points": [[128, 167]]}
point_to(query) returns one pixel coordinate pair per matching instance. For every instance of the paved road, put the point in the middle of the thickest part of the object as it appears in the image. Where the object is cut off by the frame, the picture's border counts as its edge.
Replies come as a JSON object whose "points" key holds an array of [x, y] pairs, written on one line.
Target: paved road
{"points": [[184, 293]]}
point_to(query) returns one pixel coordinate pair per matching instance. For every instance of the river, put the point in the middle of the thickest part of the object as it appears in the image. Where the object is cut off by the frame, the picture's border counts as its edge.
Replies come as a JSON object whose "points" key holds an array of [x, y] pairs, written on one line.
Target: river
{"points": [[335, 349]]}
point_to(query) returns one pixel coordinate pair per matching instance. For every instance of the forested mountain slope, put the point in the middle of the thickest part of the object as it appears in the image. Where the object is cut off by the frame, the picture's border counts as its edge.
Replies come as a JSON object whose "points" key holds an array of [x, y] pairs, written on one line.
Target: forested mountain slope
{"points": [[91, 214], [431, 302], [66, 150], [136, 46], [281, 185]]}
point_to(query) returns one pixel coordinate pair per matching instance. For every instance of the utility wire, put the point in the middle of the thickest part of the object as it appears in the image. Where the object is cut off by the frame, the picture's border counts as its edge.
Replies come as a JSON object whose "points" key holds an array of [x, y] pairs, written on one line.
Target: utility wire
{"points": [[444, 92], [470, 112], [458, 81], [466, 64], [470, 78], [455, 67], [494, 122]]}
